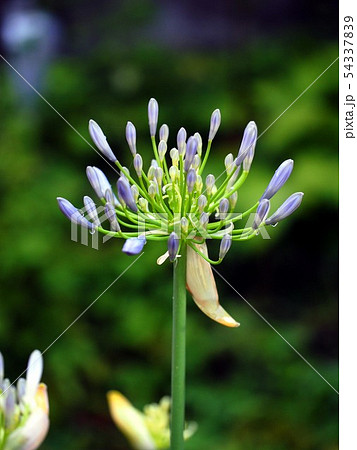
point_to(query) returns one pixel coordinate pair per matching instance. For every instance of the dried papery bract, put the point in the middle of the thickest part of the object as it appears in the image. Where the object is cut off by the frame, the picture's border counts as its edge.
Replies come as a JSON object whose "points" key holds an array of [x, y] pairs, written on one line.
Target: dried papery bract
{"points": [[201, 284]]}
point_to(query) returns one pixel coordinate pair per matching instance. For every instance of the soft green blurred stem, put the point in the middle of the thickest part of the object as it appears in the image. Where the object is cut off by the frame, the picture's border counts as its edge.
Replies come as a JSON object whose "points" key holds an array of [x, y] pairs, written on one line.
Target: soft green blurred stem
{"points": [[178, 352]]}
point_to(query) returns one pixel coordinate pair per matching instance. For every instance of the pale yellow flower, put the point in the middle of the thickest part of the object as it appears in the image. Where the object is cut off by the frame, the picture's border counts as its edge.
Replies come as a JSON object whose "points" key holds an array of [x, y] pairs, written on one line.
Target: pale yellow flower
{"points": [[147, 430]]}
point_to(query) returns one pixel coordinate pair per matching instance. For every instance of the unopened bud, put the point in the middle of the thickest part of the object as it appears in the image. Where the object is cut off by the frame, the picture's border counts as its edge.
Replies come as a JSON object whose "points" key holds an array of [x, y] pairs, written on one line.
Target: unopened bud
{"points": [[153, 113], [210, 180], [215, 123], [233, 199], [201, 202], [130, 134], [226, 243], [223, 208], [162, 148], [181, 141], [199, 143], [138, 164], [173, 245], [174, 154], [174, 173], [191, 180], [249, 140], [290, 205], [261, 214], [279, 178], [184, 224], [164, 133]]}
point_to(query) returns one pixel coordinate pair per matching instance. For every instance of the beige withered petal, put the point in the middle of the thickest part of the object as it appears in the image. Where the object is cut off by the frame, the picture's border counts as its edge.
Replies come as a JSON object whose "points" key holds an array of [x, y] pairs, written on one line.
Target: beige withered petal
{"points": [[130, 421], [202, 286]]}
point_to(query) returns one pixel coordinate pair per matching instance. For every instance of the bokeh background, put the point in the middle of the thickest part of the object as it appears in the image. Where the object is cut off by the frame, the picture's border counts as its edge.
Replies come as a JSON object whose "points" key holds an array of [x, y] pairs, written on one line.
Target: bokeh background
{"points": [[246, 388]]}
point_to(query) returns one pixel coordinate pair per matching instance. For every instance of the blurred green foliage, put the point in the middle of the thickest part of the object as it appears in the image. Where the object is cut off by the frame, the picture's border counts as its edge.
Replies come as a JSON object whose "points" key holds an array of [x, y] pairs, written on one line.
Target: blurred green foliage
{"points": [[246, 388]]}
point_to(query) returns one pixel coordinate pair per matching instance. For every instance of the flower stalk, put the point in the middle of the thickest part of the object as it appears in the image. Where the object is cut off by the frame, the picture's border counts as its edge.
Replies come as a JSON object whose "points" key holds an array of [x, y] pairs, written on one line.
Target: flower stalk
{"points": [[178, 351]]}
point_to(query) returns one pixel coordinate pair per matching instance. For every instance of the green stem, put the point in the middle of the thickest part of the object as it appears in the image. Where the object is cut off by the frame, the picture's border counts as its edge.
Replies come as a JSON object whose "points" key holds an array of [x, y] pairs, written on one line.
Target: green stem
{"points": [[178, 352]]}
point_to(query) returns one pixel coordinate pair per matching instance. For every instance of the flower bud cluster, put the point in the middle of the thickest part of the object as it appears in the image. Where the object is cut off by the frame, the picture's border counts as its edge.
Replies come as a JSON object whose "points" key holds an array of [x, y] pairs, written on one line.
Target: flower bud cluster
{"points": [[171, 199]]}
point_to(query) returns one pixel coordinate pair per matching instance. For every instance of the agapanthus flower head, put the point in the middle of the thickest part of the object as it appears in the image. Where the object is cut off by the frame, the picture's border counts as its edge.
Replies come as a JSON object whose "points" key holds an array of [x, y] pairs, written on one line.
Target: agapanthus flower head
{"points": [[23, 408], [171, 198], [147, 430]]}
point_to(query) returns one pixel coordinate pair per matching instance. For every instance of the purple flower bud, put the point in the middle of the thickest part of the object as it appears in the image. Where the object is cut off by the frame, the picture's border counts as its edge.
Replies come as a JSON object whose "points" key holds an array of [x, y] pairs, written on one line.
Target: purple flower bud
{"points": [[112, 217], [191, 180], [91, 210], [98, 181], [130, 134], [159, 173], [210, 180], [279, 178], [151, 173], [10, 404], [20, 388], [286, 209], [174, 154], [262, 212], [223, 208], [154, 163], [134, 246], [247, 162], [204, 218], [196, 162], [184, 224], [215, 123], [164, 133], [174, 173], [144, 204], [233, 199], [191, 150], [100, 140], [181, 141], [173, 245], [153, 113], [162, 148], [138, 164], [249, 140], [73, 214], [199, 183], [226, 243], [201, 202], [199, 143], [228, 162], [109, 196], [125, 172], [135, 191], [152, 189], [124, 191]]}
